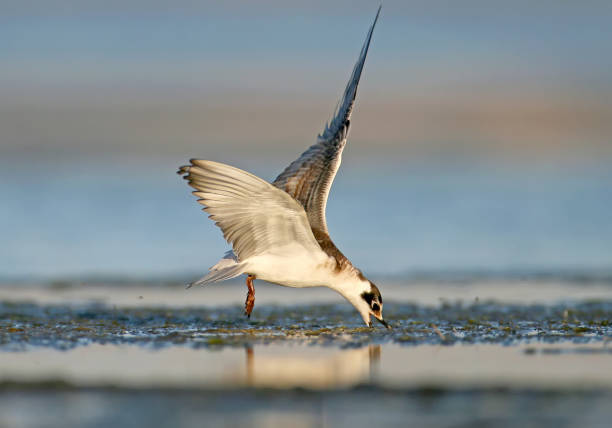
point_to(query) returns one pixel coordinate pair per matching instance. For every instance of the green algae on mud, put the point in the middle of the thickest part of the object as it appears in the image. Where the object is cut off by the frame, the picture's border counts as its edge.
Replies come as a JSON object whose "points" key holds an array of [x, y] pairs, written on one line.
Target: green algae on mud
{"points": [[65, 327]]}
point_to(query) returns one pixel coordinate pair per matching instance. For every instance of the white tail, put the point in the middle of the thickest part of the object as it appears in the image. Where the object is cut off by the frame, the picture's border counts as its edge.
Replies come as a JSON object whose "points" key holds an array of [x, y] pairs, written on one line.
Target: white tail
{"points": [[220, 275]]}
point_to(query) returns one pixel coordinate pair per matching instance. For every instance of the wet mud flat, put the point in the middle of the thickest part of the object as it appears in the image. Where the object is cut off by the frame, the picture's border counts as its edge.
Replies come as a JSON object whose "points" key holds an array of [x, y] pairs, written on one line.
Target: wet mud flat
{"points": [[23, 325], [447, 364]]}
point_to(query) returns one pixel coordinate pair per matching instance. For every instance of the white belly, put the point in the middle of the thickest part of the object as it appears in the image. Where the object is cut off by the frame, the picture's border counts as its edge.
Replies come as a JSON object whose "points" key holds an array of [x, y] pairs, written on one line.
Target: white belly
{"points": [[293, 267]]}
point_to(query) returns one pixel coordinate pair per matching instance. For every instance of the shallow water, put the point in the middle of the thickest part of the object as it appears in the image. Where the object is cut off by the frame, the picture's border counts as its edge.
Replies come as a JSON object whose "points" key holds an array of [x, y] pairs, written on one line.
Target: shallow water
{"points": [[479, 357], [298, 408], [65, 327], [537, 366]]}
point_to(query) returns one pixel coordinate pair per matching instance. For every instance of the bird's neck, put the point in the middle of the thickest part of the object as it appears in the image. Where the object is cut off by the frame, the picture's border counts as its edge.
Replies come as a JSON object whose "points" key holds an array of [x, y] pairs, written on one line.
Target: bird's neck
{"points": [[351, 284]]}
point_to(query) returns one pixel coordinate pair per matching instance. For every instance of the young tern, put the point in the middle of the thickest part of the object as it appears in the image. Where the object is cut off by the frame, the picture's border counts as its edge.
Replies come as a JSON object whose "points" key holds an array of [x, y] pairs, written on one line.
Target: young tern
{"points": [[278, 231]]}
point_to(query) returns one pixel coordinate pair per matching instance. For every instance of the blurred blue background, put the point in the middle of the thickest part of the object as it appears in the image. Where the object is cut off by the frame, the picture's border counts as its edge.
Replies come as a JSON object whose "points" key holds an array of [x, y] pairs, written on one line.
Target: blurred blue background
{"points": [[481, 139]]}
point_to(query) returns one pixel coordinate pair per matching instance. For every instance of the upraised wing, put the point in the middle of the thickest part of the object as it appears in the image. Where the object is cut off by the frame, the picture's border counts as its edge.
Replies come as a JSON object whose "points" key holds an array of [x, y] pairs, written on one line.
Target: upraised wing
{"points": [[253, 215], [309, 178]]}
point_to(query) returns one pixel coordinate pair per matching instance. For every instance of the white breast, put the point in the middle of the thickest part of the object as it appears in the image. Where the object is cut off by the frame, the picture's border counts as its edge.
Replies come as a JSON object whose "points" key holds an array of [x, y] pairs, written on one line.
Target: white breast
{"points": [[292, 266]]}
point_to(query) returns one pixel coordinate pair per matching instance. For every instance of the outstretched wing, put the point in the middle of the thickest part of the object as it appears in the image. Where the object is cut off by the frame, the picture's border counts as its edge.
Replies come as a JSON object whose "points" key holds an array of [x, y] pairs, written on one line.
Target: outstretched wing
{"points": [[254, 216], [309, 178]]}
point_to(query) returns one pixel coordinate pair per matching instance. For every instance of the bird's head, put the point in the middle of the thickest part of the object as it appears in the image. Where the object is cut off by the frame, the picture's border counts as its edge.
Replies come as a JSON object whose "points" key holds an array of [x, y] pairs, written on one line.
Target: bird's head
{"points": [[368, 302]]}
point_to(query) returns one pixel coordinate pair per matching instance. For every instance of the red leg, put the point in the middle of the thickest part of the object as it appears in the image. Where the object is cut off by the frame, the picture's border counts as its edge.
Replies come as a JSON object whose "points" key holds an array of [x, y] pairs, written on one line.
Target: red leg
{"points": [[250, 300]]}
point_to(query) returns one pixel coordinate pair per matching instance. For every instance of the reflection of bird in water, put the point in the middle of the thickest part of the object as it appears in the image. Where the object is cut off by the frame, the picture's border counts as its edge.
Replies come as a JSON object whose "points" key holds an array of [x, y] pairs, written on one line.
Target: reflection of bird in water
{"points": [[314, 367], [250, 371], [278, 231]]}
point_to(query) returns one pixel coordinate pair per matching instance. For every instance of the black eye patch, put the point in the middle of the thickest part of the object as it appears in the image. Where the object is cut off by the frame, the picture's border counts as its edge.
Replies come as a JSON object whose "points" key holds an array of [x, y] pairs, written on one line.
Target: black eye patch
{"points": [[375, 307], [368, 297]]}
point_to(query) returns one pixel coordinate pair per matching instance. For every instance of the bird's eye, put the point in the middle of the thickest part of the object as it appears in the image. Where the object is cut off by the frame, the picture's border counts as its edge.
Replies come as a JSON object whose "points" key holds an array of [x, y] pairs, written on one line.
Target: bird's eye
{"points": [[375, 307]]}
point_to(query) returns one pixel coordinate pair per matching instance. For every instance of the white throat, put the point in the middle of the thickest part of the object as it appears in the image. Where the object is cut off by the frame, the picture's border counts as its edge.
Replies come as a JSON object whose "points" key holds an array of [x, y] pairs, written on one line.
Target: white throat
{"points": [[352, 288]]}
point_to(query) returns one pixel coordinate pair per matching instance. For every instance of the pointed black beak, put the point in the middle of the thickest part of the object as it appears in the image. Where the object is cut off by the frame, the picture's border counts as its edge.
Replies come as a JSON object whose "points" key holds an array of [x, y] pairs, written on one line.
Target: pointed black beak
{"points": [[383, 322]]}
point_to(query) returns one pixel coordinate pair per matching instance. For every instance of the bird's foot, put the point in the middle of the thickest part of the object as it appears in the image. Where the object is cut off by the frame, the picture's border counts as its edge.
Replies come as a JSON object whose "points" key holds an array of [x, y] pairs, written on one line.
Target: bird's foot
{"points": [[250, 300]]}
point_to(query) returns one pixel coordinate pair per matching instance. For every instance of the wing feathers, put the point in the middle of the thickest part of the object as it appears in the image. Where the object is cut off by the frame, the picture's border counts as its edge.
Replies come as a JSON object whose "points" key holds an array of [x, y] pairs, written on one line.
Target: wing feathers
{"points": [[338, 126], [309, 178], [253, 215], [256, 216]]}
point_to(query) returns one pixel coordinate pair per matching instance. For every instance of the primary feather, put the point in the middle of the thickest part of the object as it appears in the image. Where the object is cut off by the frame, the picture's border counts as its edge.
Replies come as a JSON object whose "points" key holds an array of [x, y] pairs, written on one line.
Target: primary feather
{"points": [[309, 178]]}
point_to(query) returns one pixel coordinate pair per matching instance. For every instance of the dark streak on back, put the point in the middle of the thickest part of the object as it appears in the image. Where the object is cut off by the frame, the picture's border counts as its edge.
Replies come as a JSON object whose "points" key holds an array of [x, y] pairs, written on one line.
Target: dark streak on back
{"points": [[329, 248]]}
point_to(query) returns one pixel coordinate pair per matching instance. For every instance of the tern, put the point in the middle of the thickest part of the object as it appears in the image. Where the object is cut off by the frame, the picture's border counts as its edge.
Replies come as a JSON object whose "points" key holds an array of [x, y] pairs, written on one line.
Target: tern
{"points": [[277, 230]]}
